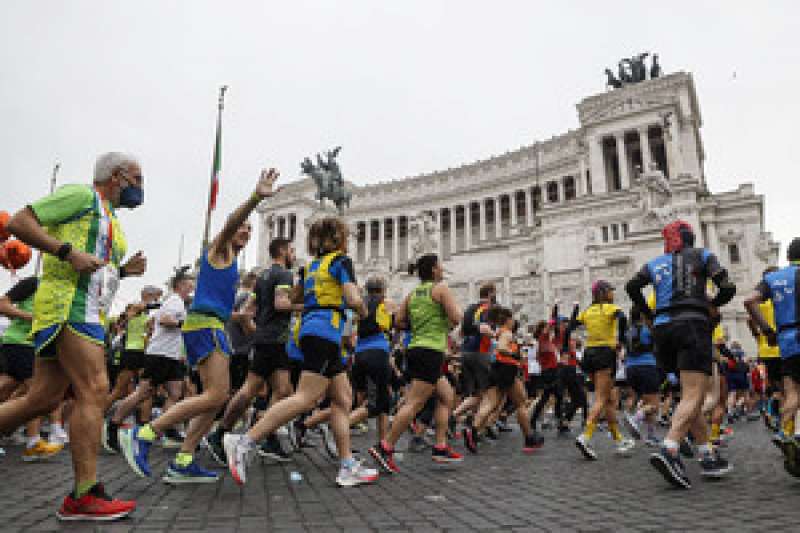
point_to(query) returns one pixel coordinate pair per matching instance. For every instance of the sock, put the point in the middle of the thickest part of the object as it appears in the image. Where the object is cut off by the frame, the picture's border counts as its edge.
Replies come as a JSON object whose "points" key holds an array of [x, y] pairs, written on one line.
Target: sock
{"points": [[83, 488], [184, 459], [589, 431], [704, 449], [146, 433], [788, 427], [440, 447], [671, 446], [348, 463], [715, 431], [57, 428], [31, 441], [614, 430]]}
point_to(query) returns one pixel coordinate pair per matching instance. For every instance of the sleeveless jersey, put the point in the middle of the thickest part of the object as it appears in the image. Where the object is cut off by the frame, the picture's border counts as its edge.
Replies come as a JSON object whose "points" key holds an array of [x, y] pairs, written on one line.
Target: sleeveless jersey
{"points": [[782, 288], [323, 297], [429, 322], [214, 296]]}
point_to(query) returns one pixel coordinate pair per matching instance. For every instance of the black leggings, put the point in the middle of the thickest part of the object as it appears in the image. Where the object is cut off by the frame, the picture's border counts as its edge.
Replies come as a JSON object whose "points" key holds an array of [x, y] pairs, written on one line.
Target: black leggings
{"points": [[573, 384], [552, 387]]}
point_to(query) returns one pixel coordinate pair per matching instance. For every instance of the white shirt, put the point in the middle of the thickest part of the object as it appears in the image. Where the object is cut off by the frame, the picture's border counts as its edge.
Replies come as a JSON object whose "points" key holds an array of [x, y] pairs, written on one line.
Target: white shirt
{"points": [[167, 341]]}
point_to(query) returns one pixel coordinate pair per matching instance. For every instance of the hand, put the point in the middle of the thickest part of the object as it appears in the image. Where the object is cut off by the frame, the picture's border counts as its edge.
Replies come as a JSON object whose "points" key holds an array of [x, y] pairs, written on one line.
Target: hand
{"points": [[266, 182], [136, 265], [84, 263]]}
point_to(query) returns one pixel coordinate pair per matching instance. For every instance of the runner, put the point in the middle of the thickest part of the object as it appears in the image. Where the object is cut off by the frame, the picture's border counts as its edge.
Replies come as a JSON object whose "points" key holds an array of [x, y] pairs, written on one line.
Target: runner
{"points": [[429, 312], [504, 380], [329, 286], [371, 369], [683, 326], [78, 229], [207, 349], [605, 335], [547, 338], [783, 288], [643, 377], [133, 358], [17, 349], [164, 364], [269, 362]]}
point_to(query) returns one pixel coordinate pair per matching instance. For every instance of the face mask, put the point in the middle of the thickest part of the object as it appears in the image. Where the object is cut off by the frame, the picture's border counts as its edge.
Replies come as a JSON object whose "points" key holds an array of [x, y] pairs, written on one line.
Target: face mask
{"points": [[131, 196]]}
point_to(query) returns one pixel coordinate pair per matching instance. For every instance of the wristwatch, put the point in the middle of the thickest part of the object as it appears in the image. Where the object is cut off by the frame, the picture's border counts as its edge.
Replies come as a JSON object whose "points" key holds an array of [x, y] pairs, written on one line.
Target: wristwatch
{"points": [[63, 251]]}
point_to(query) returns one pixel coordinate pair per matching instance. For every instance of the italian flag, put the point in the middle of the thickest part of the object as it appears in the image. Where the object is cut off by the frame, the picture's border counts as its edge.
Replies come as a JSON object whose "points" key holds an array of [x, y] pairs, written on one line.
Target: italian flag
{"points": [[215, 170]]}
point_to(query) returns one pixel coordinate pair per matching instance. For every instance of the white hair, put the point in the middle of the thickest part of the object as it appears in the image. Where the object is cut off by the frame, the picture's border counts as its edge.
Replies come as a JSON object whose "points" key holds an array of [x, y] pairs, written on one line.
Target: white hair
{"points": [[107, 163]]}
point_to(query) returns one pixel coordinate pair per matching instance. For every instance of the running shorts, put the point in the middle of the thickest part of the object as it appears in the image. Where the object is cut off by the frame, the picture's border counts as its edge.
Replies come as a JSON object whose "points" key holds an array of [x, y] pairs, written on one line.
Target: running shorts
{"points": [[684, 345]]}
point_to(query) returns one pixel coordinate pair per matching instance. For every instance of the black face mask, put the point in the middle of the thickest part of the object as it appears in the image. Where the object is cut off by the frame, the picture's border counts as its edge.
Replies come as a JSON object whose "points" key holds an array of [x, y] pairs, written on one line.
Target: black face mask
{"points": [[131, 196]]}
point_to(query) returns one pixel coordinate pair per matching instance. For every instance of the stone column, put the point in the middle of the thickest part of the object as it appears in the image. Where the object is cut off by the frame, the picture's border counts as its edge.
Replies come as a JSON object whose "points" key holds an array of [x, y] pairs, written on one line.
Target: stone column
{"points": [[622, 156], [453, 232], [513, 206], [507, 291], [471, 291], [468, 226], [713, 238], [482, 218], [528, 207], [498, 220], [382, 237], [408, 238], [580, 179], [367, 239], [440, 236], [395, 241], [546, 289], [671, 138], [644, 143], [597, 165]]}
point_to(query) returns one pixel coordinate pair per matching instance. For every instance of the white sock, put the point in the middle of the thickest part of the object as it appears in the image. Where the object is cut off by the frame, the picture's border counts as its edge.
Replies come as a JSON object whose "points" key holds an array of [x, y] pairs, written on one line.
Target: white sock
{"points": [[31, 441], [671, 445]]}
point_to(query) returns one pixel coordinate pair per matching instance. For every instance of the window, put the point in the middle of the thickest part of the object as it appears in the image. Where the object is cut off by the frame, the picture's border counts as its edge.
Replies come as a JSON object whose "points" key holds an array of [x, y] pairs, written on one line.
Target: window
{"points": [[615, 232], [569, 188], [552, 192], [625, 230], [588, 182], [733, 253], [605, 233]]}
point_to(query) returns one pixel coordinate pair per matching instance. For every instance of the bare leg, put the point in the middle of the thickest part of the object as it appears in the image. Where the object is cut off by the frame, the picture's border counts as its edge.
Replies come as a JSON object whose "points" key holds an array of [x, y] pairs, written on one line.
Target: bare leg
{"points": [[311, 387], [238, 404], [418, 394], [341, 401], [442, 412], [693, 390], [216, 384]]}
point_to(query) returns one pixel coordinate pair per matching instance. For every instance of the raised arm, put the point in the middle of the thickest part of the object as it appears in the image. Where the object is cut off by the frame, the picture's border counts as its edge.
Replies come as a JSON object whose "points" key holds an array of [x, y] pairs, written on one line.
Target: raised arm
{"points": [[235, 220], [571, 326], [634, 289]]}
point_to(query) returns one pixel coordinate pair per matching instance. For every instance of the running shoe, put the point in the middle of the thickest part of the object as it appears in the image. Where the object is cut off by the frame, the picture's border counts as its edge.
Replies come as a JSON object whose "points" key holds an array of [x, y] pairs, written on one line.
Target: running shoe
{"points": [[417, 444], [714, 466], [446, 454], [384, 458], [40, 451], [469, 439], [503, 427], [237, 455], [671, 467], [297, 434], [791, 456], [686, 449], [357, 474], [192, 473], [94, 505], [491, 433], [533, 442], [778, 440], [625, 446], [59, 436], [633, 426], [171, 439], [271, 449], [135, 450], [583, 445], [328, 442], [215, 448], [652, 442]]}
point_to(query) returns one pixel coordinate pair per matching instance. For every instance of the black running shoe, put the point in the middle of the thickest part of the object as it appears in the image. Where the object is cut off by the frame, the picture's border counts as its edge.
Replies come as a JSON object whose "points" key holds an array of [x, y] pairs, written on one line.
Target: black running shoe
{"points": [[714, 466], [686, 448], [271, 449], [671, 467], [215, 447], [384, 458]]}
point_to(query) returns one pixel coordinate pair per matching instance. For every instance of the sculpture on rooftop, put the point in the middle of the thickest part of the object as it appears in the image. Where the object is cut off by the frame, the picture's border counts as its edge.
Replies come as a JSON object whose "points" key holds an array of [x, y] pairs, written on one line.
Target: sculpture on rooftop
{"points": [[632, 70], [327, 176]]}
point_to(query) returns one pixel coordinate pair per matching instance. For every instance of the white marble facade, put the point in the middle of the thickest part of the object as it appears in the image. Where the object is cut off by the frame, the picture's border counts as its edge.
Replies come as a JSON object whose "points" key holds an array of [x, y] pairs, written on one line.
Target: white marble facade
{"points": [[545, 220]]}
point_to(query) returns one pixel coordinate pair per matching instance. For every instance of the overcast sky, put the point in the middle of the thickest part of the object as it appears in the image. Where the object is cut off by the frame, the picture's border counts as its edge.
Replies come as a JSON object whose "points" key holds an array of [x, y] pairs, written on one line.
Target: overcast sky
{"points": [[405, 87]]}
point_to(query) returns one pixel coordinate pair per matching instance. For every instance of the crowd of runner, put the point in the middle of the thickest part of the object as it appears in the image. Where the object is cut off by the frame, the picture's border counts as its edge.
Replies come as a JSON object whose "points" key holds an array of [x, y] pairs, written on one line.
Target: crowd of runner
{"points": [[222, 368]]}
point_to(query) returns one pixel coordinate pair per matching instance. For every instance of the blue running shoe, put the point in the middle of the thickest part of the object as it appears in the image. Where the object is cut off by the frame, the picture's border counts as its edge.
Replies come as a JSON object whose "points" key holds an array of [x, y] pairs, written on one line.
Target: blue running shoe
{"points": [[192, 473], [135, 450]]}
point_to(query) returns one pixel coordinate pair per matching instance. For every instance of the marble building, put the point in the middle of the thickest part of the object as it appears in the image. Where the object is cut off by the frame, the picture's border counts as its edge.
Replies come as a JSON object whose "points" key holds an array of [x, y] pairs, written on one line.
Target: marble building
{"points": [[545, 220]]}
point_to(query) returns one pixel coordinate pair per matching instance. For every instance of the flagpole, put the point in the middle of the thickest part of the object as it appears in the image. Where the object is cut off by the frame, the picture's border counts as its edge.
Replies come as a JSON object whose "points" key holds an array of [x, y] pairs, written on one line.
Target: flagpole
{"points": [[53, 177], [214, 169]]}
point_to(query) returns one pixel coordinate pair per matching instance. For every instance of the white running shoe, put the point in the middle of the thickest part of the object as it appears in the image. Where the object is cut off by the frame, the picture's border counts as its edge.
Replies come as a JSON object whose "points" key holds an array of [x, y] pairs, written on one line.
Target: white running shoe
{"points": [[583, 445], [625, 446], [238, 456], [328, 442], [356, 475]]}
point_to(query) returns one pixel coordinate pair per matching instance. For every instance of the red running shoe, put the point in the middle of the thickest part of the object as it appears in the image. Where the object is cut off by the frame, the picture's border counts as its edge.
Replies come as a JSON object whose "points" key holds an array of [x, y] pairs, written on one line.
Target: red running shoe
{"points": [[94, 505], [384, 458], [446, 454]]}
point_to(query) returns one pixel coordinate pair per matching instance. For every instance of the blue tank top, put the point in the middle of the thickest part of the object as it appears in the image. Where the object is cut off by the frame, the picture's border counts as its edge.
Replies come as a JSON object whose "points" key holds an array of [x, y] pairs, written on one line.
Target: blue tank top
{"points": [[216, 289], [783, 290]]}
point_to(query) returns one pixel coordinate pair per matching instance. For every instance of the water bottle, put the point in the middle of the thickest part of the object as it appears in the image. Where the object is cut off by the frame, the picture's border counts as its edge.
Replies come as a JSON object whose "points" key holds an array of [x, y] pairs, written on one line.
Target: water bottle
{"points": [[295, 477]]}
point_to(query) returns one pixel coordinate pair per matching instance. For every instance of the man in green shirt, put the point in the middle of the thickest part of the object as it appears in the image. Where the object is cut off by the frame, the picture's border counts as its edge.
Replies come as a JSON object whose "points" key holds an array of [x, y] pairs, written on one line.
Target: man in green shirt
{"points": [[77, 229]]}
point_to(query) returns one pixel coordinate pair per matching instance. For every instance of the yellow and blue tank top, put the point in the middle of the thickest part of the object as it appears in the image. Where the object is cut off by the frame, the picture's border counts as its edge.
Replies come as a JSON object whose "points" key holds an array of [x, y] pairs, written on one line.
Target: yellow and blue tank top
{"points": [[323, 297], [782, 288], [373, 330]]}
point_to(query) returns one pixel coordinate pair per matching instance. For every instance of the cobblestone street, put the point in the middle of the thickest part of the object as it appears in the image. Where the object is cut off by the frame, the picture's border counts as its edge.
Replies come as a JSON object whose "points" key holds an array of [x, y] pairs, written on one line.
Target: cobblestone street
{"points": [[498, 490]]}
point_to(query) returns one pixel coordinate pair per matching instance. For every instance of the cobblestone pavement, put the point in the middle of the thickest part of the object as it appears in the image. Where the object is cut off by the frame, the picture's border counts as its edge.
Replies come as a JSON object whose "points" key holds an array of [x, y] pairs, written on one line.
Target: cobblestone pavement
{"points": [[498, 490]]}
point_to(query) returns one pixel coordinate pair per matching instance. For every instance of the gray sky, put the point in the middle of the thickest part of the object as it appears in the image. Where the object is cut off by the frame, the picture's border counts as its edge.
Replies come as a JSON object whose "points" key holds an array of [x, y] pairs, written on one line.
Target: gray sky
{"points": [[406, 87]]}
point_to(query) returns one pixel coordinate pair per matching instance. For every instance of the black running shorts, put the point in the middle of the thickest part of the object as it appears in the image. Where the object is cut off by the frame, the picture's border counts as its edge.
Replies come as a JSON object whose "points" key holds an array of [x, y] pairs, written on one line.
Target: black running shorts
{"points": [[425, 365], [644, 379], [599, 358], [132, 360], [321, 356], [503, 375], [161, 369], [267, 358], [684, 345], [18, 361], [475, 369]]}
